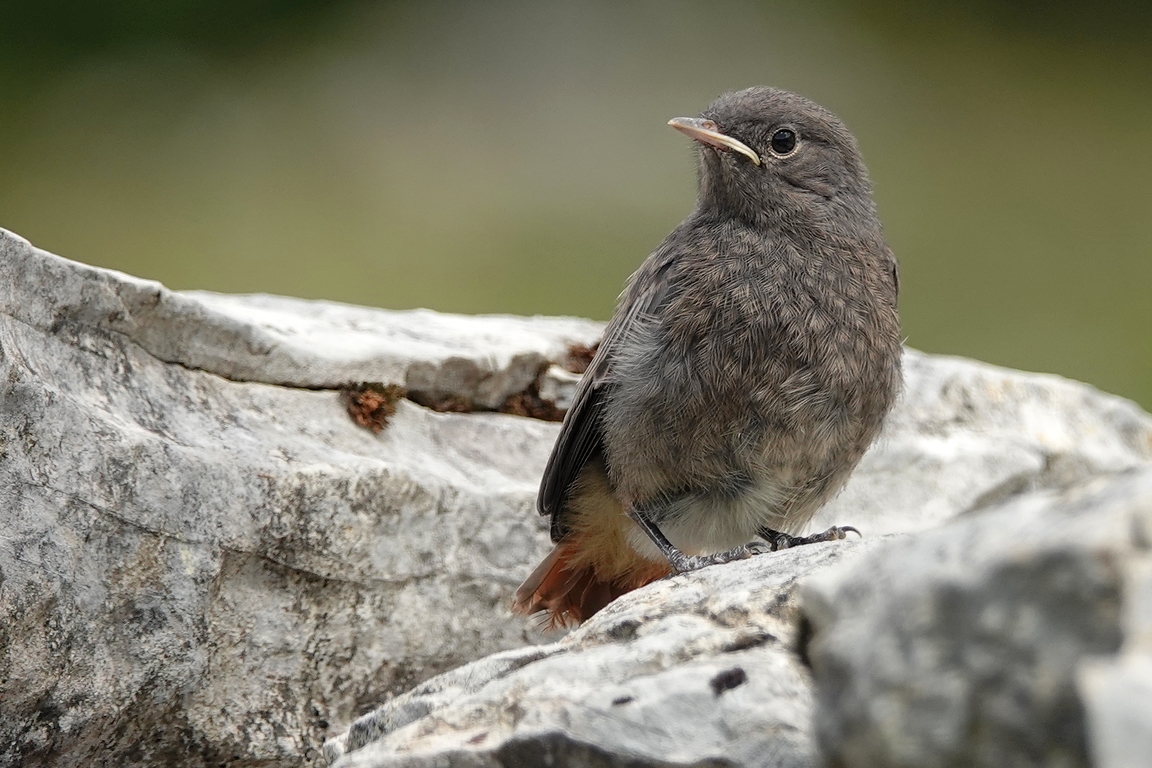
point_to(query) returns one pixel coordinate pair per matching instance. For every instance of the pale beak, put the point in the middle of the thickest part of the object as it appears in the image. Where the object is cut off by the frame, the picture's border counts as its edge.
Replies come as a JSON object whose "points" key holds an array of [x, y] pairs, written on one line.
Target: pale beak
{"points": [[707, 132]]}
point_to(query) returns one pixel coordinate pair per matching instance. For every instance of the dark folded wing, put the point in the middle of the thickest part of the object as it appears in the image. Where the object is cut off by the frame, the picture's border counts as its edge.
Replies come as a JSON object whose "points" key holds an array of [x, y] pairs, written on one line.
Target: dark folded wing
{"points": [[581, 435], [894, 270]]}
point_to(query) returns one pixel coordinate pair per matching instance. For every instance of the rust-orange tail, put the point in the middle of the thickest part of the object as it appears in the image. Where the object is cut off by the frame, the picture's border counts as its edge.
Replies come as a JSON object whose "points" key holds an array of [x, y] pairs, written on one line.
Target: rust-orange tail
{"points": [[570, 586]]}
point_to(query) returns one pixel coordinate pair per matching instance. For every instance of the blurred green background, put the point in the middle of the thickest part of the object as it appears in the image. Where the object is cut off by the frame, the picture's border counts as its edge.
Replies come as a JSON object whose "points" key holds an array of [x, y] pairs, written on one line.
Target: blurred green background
{"points": [[513, 156]]}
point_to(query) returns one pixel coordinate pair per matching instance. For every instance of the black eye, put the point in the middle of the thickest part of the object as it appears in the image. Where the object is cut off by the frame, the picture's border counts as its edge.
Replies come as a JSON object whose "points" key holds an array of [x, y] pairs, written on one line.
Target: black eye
{"points": [[783, 141]]}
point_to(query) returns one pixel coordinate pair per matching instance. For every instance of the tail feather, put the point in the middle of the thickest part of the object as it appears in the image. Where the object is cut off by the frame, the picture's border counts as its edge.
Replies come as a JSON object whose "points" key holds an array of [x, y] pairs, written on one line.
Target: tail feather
{"points": [[569, 589], [547, 583], [594, 563]]}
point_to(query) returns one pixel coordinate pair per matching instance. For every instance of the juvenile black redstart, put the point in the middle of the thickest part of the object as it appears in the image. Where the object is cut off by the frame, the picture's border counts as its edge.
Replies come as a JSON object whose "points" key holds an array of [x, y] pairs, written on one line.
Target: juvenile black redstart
{"points": [[748, 366]]}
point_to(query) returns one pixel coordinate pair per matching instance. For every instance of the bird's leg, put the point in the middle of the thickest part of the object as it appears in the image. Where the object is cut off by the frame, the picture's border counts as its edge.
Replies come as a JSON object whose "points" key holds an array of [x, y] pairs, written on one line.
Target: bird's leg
{"points": [[780, 541], [680, 562]]}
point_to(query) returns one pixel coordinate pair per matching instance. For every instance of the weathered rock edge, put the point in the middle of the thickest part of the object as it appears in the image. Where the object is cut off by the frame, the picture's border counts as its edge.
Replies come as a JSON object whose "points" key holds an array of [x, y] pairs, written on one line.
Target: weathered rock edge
{"points": [[961, 646], [695, 670], [480, 359]]}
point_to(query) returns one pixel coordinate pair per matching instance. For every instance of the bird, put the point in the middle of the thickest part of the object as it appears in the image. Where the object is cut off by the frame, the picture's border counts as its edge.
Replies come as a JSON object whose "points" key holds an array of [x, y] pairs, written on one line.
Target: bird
{"points": [[748, 366]]}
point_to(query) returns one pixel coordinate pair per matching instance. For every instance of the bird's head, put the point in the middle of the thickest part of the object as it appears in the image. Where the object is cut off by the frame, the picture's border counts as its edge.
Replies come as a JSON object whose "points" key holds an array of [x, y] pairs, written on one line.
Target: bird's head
{"points": [[766, 153]]}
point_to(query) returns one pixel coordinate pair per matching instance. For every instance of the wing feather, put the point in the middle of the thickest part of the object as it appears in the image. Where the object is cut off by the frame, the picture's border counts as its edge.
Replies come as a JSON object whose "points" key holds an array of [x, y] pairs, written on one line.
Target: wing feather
{"points": [[581, 436]]}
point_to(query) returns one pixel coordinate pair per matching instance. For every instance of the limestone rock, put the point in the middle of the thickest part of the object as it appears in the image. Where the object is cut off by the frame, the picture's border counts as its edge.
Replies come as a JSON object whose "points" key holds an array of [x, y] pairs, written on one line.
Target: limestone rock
{"points": [[955, 647], [1117, 694], [1117, 691], [195, 569], [960, 646], [694, 670], [292, 342], [203, 560], [966, 435]]}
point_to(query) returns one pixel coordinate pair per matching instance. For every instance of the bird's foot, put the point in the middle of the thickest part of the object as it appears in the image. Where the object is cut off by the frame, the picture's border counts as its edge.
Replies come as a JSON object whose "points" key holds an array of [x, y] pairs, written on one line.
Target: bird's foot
{"points": [[682, 563], [777, 540]]}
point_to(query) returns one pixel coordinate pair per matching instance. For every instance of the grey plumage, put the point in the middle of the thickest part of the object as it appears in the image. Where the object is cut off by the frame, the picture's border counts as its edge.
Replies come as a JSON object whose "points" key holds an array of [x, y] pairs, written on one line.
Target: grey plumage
{"points": [[752, 356]]}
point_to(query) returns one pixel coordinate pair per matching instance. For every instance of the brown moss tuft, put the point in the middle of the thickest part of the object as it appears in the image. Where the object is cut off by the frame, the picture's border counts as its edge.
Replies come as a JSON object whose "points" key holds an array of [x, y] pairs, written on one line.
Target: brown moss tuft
{"points": [[529, 403], [371, 404], [580, 357]]}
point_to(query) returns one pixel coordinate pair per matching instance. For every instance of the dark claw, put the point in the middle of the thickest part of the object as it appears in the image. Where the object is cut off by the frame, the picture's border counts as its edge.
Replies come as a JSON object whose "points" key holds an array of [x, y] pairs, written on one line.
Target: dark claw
{"points": [[778, 540], [758, 548]]}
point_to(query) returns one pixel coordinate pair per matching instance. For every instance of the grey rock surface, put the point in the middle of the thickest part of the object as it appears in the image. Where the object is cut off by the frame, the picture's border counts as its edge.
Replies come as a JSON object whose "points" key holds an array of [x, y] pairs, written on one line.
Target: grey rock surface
{"points": [[203, 560], [1117, 694], [195, 569], [291, 342], [966, 435], [1117, 691], [954, 647], [695, 670], [960, 646]]}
